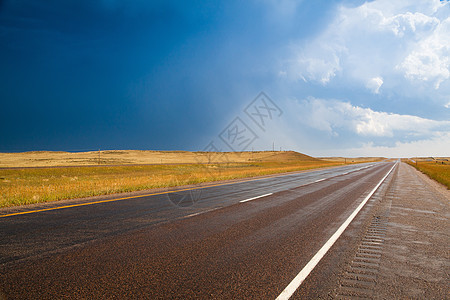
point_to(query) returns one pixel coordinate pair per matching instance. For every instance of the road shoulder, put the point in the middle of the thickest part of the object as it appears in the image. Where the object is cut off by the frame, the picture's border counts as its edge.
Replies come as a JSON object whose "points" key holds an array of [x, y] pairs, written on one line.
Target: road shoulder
{"points": [[415, 259]]}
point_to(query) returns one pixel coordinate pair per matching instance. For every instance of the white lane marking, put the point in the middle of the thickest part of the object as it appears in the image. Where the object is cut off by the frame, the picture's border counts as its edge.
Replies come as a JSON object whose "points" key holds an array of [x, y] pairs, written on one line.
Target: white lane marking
{"points": [[355, 170], [318, 180], [192, 215], [257, 197], [199, 213], [297, 281]]}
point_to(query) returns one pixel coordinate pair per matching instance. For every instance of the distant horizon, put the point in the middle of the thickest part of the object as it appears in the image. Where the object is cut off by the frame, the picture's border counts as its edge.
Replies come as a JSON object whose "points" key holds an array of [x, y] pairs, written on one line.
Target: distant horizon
{"points": [[337, 156]]}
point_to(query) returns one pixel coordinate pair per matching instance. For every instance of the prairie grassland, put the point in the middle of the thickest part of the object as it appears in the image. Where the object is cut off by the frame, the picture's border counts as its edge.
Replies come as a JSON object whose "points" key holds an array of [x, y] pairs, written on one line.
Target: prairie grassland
{"points": [[439, 170], [36, 185], [138, 157]]}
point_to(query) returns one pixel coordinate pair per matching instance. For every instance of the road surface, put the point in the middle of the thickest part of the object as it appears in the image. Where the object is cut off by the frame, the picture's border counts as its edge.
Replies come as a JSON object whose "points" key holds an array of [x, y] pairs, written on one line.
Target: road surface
{"points": [[230, 241]]}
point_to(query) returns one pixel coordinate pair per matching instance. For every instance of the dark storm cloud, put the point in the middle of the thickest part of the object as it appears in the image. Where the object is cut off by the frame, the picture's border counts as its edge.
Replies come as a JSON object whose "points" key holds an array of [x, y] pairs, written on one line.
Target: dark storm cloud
{"points": [[81, 75]]}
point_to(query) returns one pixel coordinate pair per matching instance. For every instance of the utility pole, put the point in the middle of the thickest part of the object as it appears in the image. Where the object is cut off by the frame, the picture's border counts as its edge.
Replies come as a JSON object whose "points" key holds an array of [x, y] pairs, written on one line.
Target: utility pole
{"points": [[273, 146]]}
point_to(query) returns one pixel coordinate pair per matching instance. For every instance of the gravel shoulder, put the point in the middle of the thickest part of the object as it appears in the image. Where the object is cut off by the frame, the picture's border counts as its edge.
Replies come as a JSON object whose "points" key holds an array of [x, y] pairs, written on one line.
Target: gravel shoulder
{"points": [[415, 261]]}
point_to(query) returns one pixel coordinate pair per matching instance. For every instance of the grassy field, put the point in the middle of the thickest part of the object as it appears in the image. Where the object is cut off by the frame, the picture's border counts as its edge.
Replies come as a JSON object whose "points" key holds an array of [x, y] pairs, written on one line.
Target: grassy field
{"points": [[21, 186], [137, 157], [438, 169]]}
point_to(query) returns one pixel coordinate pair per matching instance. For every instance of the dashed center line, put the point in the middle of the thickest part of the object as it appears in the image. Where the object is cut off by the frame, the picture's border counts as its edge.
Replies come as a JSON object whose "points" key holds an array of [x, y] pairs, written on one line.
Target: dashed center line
{"points": [[318, 180], [257, 197], [356, 170], [199, 213]]}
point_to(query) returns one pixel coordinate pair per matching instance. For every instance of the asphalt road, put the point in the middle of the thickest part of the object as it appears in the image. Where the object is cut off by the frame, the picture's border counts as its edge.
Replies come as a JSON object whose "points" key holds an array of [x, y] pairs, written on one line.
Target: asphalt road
{"points": [[242, 240]]}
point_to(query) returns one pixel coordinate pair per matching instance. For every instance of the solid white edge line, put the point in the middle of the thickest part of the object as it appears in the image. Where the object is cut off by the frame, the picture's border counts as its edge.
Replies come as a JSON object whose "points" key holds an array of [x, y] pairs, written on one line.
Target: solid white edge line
{"points": [[257, 197], [297, 281], [319, 180]]}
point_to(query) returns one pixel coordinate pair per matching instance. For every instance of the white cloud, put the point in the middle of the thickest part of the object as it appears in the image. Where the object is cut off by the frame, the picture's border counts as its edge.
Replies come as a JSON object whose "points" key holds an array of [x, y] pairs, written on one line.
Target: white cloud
{"points": [[399, 51], [438, 145], [357, 131], [335, 117], [320, 64], [430, 58], [404, 45], [409, 23], [374, 84], [322, 70]]}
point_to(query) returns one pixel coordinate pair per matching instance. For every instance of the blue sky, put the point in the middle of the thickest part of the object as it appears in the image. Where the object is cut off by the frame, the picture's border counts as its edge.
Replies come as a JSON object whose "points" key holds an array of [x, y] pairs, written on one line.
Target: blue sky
{"points": [[349, 78]]}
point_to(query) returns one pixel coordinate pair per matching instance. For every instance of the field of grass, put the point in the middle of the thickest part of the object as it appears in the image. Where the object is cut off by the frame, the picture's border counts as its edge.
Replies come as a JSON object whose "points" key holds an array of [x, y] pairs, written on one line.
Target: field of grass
{"points": [[35, 185], [137, 157], [438, 169]]}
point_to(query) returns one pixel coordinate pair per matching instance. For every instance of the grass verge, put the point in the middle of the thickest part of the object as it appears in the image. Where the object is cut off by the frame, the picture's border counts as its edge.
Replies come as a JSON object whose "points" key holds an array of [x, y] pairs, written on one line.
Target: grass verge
{"points": [[37, 185], [437, 170]]}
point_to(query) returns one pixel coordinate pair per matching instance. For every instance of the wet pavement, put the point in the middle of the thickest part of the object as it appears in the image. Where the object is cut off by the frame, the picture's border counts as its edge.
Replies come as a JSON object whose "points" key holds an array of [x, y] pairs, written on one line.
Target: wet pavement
{"points": [[222, 248]]}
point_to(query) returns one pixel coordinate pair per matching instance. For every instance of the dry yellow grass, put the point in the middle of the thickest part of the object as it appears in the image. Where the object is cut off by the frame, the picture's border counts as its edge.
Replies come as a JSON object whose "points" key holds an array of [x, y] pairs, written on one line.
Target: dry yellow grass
{"points": [[35, 185], [128, 157], [438, 169]]}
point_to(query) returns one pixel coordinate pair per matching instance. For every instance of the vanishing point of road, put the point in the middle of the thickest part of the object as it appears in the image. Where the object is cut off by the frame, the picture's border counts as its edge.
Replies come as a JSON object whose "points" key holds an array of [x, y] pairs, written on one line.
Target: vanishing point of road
{"points": [[374, 230]]}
